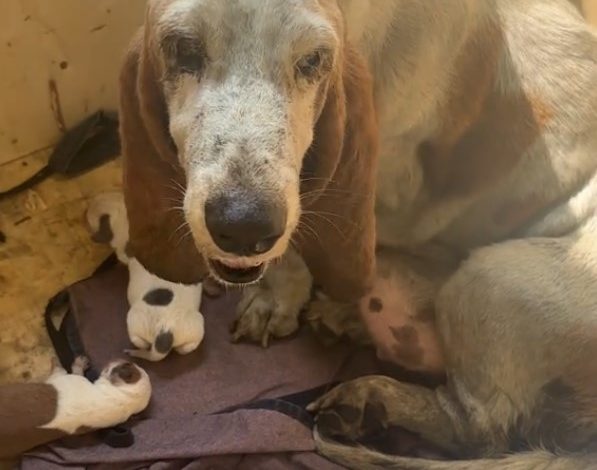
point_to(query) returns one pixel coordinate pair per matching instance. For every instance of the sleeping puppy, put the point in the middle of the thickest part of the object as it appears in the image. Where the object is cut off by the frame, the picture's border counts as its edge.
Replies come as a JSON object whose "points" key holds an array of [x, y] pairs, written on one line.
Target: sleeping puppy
{"points": [[36, 413], [162, 315]]}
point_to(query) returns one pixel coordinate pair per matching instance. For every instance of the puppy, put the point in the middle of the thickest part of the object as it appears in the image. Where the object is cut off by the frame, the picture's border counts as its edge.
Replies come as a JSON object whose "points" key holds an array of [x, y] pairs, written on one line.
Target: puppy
{"points": [[36, 413], [163, 315]]}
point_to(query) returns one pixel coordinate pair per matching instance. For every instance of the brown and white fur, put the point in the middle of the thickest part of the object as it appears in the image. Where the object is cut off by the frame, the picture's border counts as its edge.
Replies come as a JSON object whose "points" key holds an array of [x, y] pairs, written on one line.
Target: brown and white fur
{"points": [[36, 413], [484, 199], [162, 315]]}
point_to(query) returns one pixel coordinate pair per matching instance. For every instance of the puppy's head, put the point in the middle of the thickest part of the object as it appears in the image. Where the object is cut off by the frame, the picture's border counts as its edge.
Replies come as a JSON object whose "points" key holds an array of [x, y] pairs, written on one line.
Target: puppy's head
{"points": [[245, 84], [121, 373]]}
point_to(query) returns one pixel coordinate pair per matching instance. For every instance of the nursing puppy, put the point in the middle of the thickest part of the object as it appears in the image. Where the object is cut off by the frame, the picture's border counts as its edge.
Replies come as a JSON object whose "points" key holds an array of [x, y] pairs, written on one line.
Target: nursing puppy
{"points": [[260, 120], [37, 413], [163, 315]]}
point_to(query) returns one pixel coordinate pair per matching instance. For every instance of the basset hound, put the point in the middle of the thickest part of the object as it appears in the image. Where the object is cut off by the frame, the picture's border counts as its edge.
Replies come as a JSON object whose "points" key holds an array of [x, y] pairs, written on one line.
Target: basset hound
{"points": [[427, 168]]}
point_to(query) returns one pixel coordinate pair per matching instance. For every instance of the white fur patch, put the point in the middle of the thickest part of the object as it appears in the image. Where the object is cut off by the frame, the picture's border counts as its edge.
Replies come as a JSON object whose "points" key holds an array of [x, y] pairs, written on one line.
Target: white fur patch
{"points": [[97, 405]]}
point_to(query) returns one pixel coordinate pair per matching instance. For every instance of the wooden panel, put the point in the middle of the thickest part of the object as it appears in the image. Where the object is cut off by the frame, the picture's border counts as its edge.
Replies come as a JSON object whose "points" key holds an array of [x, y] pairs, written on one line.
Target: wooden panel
{"points": [[59, 61]]}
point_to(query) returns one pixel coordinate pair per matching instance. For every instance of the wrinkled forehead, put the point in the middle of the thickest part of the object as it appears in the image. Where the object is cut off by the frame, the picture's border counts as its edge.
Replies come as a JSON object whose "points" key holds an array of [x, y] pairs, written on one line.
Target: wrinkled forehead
{"points": [[269, 23]]}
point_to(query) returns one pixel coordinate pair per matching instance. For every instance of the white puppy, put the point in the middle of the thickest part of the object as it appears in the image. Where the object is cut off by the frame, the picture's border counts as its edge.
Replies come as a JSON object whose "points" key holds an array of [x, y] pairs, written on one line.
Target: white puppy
{"points": [[163, 315], [122, 390]]}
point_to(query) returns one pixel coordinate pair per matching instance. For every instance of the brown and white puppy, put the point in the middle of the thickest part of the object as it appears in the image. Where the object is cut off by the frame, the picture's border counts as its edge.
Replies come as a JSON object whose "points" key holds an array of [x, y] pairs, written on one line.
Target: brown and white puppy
{"points": [[37, 413], [484, 199]]}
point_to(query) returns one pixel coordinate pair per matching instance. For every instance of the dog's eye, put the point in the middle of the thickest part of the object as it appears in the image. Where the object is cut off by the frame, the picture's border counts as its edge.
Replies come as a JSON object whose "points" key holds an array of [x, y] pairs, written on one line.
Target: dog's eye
{"points": [[309, 66], [190, 61], [183, 54]]}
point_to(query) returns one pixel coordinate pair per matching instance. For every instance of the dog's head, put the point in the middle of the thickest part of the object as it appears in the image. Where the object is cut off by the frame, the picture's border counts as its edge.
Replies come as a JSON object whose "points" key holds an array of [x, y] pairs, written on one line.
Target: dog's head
{"points": [[247, 99]]}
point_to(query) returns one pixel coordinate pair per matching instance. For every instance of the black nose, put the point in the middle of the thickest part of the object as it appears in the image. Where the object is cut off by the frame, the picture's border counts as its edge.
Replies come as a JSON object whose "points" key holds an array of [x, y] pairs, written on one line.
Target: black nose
{"points": [[244, 224]]}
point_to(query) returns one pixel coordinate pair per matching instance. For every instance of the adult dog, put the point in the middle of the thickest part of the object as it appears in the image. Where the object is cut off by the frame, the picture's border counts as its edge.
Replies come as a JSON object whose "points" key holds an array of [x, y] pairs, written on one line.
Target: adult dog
{"points": [[255, 123]]}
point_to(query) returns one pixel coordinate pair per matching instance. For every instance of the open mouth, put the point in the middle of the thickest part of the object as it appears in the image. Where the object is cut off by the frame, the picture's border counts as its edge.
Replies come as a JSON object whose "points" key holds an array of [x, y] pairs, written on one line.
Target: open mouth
{"points": [[236, 274]]}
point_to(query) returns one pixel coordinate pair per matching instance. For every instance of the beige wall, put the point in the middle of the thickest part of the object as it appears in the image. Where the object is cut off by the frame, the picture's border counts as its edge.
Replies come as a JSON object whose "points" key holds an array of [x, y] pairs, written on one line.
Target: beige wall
{"points": [[76, 44]]}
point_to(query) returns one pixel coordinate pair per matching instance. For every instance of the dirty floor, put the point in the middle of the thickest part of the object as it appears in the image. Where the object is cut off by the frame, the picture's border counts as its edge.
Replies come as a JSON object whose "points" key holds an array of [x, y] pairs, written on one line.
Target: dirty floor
{"points": [[44, 246]]}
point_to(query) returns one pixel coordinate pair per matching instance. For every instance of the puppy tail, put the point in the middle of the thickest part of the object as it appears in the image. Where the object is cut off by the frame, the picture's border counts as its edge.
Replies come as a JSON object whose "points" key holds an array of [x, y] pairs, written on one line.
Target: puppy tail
{"points": [[160, 348], [362, 458]]}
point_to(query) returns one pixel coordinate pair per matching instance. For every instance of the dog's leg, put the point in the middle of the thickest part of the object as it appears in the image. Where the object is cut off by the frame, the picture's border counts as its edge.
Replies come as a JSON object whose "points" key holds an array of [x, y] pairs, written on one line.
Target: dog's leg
{"points": [[369, 404], [519, 333], [271, 308]]}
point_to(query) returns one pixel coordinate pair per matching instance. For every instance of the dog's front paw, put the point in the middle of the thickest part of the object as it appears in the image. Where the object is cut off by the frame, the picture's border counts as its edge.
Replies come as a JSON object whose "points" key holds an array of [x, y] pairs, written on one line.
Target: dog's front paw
{"points": [[352, 410], [272, 307], [263, 313]]}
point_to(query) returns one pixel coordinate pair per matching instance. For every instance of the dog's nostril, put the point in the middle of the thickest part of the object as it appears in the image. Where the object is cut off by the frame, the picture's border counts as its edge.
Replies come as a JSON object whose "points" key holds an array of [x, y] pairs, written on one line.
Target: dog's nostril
{"points": [[243, 223], [267, 244]]}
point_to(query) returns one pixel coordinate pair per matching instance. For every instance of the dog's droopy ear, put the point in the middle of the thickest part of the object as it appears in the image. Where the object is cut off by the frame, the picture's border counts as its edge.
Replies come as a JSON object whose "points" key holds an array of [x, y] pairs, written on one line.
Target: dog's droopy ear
{"points": [[337, 233], [153, 179]]}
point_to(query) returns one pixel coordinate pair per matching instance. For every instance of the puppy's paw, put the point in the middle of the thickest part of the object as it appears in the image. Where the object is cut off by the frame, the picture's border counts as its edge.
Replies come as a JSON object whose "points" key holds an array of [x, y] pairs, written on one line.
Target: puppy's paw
{"points": [[272, 307], [352, 410], [108, 223], [80, 365]]}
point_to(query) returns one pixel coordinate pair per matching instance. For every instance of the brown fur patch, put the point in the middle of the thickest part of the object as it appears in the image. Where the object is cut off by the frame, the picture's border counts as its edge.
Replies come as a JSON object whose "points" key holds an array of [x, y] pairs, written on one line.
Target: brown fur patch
{"points": [[485, 132], [23, 409], [127, 373], [150, 161], [405, 334], [343, 157], [542, 112]]}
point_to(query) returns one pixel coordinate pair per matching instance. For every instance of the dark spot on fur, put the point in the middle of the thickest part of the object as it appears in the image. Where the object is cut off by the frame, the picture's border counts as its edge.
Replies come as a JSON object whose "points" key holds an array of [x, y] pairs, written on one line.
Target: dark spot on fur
{"points": [[329, 423], [163, 342], [127, 372], [26, 375], [405, 334], [104, 232], [63, 65], [2, 237], [348, 414], [375, 417], [158, 297], [375, 304]]}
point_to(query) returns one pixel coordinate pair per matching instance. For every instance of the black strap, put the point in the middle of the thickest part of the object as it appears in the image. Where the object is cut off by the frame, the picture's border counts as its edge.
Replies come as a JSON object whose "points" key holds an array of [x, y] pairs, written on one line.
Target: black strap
{"points": [[293, 406]]}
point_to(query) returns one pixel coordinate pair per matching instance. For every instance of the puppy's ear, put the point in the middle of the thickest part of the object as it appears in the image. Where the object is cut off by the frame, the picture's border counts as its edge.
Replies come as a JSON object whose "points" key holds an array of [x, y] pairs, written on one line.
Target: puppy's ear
{"points": [[337, 233], [153, 179]]}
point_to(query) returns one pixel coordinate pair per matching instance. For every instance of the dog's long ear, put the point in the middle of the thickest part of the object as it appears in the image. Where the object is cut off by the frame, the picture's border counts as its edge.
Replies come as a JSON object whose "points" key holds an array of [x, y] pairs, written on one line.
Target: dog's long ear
{"points": [[153, 181], [337, 232]]}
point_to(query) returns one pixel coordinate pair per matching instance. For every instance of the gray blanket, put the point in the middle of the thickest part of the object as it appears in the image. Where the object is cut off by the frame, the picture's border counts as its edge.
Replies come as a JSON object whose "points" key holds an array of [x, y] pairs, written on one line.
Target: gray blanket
{"points": [[224, 406]]}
